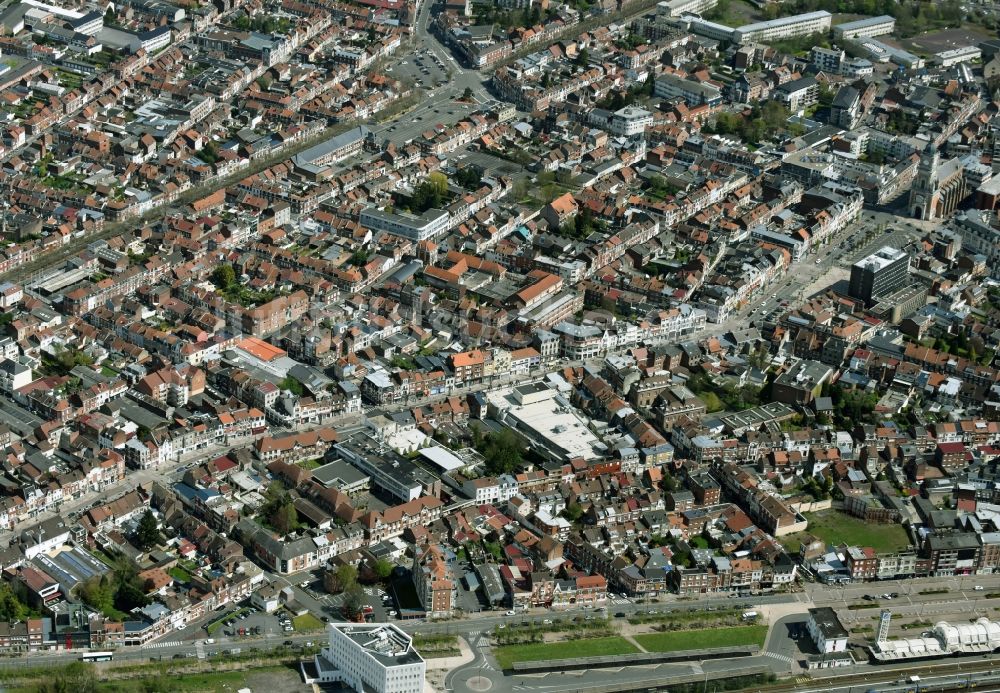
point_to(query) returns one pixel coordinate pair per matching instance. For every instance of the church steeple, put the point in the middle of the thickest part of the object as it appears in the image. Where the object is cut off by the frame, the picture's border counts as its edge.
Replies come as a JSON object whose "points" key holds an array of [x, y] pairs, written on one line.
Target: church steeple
{"points": [[927, 170]]}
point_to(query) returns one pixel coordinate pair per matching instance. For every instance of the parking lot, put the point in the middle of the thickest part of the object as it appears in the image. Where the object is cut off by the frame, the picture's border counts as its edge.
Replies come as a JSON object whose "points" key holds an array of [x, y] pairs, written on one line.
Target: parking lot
{"points": [[251, 621], [425, 70], [422, 119], [309, 592]]}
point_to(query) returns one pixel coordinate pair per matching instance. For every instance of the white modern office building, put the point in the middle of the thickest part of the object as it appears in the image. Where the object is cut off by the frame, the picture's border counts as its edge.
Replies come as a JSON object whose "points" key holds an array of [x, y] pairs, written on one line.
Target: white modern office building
{"points": [[870, 26], [675, 8], [431, 223], [784, 27], [963, 54], [370, 658]]}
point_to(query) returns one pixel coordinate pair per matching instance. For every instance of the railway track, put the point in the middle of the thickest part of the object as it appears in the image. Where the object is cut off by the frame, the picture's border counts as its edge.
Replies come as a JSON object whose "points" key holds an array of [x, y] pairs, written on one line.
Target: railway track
{"points": [[955, 674]]}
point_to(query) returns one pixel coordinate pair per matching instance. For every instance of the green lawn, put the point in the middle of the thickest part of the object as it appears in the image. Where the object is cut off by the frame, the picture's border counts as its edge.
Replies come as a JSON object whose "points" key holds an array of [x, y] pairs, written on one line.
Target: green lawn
{"points": [[307, 622], [188, 683], [535, 652], [835, 527], [227, 680], [310, 464], [701, 639], [103, 558], [698, 542], [178, 573], [436, 646]]}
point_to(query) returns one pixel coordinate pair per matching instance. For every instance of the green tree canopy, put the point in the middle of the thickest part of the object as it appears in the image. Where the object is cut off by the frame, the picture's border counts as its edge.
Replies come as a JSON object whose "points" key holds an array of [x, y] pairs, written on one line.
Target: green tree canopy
{"points": [[573, 512], [224, 276], [292, 385], [503, 451], [469, 177], [383, 569], [353, 602], [340, 579], [11, 607], [284, 518], [147, 533]]}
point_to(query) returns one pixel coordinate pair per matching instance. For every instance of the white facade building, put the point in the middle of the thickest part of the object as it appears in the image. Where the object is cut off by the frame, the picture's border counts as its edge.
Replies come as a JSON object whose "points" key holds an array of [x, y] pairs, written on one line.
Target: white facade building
{"points": [[964, 54], [431, 223], [826, 630], [371, 658], [784, 27], [630, 121], [870, 26], [675, 8]]}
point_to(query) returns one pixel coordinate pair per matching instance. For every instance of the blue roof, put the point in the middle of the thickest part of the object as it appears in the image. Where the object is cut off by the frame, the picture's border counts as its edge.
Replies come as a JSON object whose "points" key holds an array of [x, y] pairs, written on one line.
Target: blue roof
{"points": [[191, 494]]}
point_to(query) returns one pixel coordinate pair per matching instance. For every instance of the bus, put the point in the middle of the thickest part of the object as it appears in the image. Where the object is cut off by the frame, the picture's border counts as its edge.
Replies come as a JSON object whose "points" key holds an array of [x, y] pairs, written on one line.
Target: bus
{"points": [[96, 656]]}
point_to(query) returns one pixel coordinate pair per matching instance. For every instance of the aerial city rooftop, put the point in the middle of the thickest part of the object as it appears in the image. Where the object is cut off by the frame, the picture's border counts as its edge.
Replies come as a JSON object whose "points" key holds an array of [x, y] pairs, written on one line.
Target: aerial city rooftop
{"points": [[329, 320]]}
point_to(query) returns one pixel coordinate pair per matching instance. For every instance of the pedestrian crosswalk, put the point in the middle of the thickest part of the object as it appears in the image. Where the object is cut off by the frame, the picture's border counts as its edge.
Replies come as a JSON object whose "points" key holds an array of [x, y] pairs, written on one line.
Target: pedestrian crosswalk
{"points": [[199, 648], [780, 657], [162, 644], [619, 600]]}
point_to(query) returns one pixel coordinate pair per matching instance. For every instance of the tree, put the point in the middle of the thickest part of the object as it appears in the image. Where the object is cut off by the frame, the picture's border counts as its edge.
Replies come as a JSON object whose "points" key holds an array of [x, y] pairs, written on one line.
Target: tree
{"points": [[341, 579], [669, 483], [224, 276], [583, 57], [712, 401], [467, 94], [11, 607], [353, 602], [477, 434], [826, 94], [131, 595], [66, 360], [573, 512], [439, 183], [469, 177], [97, 592], [209, 153], [127, 590], [431, 193], [284, 517], [503, 451], [147, 533], [292, 385], [383, 569]]}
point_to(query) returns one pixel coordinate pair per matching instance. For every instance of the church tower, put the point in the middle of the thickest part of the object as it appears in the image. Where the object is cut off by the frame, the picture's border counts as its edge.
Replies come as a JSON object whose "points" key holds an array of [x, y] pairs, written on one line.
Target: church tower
{"points": [[925, 190]]}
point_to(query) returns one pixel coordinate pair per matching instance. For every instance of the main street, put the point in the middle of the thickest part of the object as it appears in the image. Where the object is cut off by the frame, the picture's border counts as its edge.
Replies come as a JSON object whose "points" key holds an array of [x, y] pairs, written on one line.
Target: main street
{"points": [[779, 654]]}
